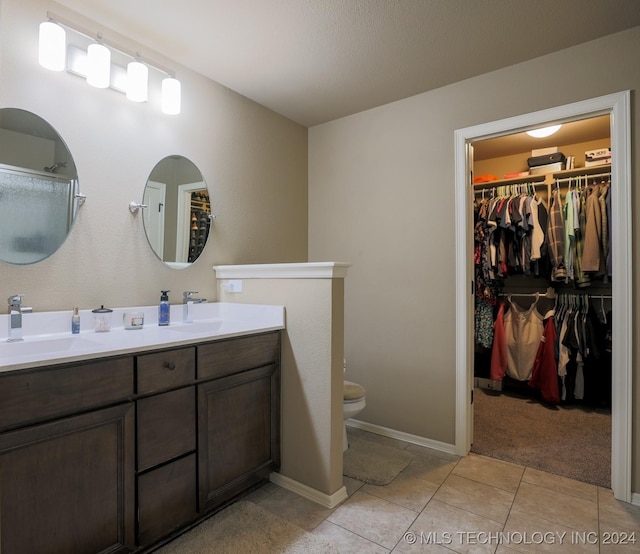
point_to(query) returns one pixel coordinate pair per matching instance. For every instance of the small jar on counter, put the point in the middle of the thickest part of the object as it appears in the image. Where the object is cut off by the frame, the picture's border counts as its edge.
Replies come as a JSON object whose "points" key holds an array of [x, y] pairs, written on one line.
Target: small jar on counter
{"points": [[133, 320], [102, 319]]}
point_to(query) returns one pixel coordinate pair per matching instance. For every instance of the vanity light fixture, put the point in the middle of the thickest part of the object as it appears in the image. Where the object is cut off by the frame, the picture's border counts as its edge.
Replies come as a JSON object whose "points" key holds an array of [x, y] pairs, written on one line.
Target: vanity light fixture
{"points": [[544, 131], [96, 65], [171, 96], [137, 80], [52, 46]]}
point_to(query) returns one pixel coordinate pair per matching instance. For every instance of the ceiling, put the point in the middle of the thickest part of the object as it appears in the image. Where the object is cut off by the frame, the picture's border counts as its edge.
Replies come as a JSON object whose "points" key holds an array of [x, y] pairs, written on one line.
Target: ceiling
{"points": [[314, 61]]}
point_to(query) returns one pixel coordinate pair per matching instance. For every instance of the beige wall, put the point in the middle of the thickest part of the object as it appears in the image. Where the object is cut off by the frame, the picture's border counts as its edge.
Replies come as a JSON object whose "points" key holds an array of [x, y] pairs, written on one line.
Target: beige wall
{"points": [[381, 196], [312, 374], [253, 160]]}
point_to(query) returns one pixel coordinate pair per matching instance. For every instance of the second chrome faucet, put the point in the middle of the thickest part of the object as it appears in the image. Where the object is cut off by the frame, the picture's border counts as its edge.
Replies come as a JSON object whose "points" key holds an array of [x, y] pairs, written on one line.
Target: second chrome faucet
{"points": [[188, 300]]}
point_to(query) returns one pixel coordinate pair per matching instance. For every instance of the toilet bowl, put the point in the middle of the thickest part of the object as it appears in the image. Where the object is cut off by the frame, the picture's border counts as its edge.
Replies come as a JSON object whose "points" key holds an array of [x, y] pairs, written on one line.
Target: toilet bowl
{"points": [[354, 403]]}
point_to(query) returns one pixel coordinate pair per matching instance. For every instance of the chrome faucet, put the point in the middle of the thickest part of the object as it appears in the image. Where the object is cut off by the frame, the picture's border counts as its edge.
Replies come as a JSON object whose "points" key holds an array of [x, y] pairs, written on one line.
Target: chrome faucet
{"points": [[188, 301], [16, 309]]}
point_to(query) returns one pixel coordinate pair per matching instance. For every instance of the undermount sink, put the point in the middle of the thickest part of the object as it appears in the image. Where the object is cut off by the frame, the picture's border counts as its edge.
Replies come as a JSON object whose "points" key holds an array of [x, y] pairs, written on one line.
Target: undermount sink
{"points": [[37, 345], [197, 326]]}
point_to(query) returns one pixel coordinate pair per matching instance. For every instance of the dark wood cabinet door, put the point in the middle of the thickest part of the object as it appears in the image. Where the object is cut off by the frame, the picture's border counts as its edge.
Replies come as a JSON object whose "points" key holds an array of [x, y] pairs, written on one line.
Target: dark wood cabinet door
{"points": [[68, 486], [238, 433]]}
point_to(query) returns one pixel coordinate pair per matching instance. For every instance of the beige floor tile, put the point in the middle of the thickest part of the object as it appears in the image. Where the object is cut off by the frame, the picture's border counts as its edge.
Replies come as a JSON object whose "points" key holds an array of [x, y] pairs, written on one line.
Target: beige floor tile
{"points": [[445, 526], [294, 508], [373, 518], [428, 468], [497, 473], [483, 500], [616, 512], [526, 532], [346, 541], [351, 484], [407, 492], [263, 492], [564, 509], [560, 484], [616, 539]]}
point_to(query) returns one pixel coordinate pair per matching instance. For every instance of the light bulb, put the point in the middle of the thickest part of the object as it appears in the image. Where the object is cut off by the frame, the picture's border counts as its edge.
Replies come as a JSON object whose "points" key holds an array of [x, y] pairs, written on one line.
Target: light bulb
{"points": [[52, 46], [98, 66], [137, 78], [544, 131], [171, 96]]}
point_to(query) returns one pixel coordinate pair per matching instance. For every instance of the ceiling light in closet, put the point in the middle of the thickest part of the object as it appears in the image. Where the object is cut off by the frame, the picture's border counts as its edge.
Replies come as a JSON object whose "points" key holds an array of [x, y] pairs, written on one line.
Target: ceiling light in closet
{"points": [[544, 131]]}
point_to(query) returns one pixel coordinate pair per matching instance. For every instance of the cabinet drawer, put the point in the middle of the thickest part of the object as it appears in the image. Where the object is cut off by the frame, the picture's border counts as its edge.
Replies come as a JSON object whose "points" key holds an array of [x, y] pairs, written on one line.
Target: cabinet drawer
{"points": [[55, 391], [164, 370], [166, 426], [166, 499], [225, 357]]}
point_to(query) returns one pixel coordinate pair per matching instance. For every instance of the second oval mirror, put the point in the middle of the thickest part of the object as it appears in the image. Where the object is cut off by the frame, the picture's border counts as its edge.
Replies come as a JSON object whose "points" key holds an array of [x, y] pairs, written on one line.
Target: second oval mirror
{"points": [[177, 217]]}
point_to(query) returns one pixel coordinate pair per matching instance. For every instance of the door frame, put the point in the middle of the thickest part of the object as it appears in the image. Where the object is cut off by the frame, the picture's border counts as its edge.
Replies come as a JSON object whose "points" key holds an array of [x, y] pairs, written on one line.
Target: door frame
{"points": [[183, 226], [617, 105]]}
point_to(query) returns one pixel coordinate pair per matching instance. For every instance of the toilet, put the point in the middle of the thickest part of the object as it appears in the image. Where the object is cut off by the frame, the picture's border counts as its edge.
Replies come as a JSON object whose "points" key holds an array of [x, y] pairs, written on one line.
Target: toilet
{"points": [[354, 403]]}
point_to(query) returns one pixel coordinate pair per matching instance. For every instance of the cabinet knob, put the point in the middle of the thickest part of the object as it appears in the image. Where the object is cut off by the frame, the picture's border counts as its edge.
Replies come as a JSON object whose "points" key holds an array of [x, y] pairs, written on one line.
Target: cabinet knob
{"points": [[170, 365]]}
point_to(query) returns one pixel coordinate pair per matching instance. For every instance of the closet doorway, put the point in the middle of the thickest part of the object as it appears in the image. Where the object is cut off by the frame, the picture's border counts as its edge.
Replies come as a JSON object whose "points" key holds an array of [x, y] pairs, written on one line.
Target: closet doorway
{"points": [[617, 108]]}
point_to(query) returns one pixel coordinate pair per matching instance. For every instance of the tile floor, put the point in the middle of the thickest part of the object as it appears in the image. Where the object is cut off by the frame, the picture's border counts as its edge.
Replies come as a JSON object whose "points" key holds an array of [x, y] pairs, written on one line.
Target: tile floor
{"points": [[441, 503]]}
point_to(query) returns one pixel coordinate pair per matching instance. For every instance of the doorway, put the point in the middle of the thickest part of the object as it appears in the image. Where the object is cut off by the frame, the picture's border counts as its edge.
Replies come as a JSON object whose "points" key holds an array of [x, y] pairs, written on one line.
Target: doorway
{"points": [[617, 106]]}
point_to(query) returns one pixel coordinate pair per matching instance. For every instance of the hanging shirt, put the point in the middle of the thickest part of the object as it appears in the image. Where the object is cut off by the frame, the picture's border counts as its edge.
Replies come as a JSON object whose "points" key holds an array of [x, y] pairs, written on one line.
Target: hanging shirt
{"points": [[523, 330], [555, 238]]}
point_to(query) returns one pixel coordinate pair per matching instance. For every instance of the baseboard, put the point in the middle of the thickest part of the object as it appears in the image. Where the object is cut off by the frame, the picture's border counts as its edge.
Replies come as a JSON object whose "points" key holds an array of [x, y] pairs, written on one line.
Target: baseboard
{"points": [[407, 437], [635, 498], [326, 500]]}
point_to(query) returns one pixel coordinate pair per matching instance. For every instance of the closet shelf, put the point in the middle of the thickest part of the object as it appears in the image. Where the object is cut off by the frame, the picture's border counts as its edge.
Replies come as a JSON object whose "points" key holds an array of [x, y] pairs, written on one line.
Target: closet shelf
{"points": [[582, 171], [516, 181]]}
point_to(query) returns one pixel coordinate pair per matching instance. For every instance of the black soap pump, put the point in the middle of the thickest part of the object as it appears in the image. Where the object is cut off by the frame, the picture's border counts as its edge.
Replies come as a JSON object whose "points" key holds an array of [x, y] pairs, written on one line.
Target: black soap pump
{"points": [[164, 309]]}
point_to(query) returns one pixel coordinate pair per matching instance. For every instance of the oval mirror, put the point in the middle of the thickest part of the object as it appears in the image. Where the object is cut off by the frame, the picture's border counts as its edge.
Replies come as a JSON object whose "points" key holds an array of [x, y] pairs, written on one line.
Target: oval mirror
{"points": [[39, 194], [177, 217]]}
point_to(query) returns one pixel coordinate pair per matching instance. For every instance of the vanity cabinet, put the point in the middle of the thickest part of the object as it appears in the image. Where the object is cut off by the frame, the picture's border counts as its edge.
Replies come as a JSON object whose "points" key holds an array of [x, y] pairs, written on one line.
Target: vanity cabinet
{"points": [[119, 454], [166, 439], [238, 416], [67, 459]]}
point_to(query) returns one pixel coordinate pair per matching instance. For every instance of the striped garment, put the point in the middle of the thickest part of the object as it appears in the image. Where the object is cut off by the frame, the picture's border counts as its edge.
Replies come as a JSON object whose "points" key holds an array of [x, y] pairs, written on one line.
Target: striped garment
{"points": [[555, 238]]}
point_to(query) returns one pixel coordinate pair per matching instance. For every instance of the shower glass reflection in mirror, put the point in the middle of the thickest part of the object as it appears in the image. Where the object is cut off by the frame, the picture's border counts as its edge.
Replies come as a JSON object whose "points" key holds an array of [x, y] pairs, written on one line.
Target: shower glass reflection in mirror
{"points": [[39, 194], [177, 218]]}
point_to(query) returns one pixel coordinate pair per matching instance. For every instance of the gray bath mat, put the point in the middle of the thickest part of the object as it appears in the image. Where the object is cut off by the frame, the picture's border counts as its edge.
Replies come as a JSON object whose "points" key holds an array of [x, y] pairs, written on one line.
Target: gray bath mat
{"points": [[246, 527], [374, 463]]}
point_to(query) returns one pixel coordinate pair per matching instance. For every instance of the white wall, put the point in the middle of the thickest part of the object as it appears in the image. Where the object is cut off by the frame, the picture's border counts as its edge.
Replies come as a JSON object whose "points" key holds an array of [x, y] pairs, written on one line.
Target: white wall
{"points": [[381, 195], [253, 160]]}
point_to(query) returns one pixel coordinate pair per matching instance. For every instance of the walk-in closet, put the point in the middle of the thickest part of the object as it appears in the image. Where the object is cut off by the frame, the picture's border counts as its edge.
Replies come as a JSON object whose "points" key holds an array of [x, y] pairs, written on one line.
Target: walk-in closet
{"points": [[543, 300]]}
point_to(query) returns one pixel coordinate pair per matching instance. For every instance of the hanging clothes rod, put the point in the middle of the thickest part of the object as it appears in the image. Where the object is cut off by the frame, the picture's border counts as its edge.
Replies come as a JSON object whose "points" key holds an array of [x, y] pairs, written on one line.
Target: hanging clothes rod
{"points": [[578, 177], [591, 296]]}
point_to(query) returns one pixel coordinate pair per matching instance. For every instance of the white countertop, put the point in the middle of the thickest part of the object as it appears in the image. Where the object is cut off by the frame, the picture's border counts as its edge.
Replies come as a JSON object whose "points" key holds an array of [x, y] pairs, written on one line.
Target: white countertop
{"points": [[48, 339]]}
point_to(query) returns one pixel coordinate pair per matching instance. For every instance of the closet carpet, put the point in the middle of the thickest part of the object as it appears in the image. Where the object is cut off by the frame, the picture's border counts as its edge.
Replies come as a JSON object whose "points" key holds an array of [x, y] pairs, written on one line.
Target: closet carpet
{"points": [[572, 441]]}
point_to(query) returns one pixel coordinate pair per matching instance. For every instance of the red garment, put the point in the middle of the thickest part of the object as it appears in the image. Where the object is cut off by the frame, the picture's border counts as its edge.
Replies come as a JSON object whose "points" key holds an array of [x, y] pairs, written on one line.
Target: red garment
{"points": [[499, 349], [544, 375]]}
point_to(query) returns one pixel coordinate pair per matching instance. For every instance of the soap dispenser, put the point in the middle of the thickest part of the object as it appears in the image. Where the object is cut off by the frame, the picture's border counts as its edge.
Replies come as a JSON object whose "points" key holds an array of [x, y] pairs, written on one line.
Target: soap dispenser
{"points": [[164, 309]]}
